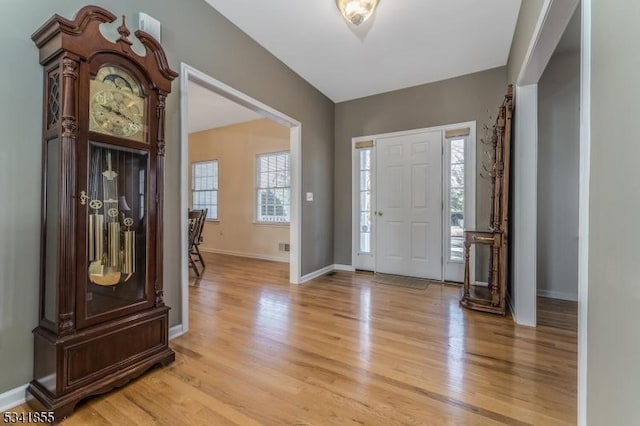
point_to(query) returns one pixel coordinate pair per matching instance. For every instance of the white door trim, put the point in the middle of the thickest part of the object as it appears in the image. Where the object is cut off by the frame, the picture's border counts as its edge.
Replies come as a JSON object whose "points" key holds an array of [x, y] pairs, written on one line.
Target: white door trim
{"points": [[525, 189], [470, 207], [583, 209], [553, 19], [549, 28], [188, 73]]}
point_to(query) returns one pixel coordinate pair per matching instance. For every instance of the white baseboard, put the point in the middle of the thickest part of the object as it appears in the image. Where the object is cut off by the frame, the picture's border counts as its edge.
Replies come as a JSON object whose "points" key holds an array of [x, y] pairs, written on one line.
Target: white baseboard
{"points": [[345, 268], [12, 398], [176, 331], [326, 270], [573, 297], [283, 259], [318, 273]]}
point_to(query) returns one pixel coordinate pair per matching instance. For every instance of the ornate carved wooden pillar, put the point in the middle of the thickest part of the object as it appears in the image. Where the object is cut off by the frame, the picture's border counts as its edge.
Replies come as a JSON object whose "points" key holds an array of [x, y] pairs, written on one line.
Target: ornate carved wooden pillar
{"points": [[160, 115], [69, 123]]}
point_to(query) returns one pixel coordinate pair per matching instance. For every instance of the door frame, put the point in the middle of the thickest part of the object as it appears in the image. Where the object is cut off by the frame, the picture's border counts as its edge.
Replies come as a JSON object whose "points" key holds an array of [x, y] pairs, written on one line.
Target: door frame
{"points": [[552, 21], [369, 263], [189, 73]]}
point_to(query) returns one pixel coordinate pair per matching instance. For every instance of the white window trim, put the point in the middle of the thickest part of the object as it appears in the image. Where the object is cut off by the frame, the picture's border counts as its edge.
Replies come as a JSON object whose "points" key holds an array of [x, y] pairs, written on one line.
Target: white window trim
{"points": [[358, 171], [256, 173], [217, 190], [362, 260], [446, 195], [470, 174]]}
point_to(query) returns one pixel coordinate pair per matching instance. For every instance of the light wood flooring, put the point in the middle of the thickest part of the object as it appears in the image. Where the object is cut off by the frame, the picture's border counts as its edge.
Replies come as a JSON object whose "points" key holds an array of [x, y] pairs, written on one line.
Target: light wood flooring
{"points": [[341, 350]]}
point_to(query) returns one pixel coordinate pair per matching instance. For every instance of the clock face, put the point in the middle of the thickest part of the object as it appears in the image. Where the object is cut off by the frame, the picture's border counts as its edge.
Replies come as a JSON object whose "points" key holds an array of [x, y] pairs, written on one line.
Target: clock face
{"points": [[116, 105]]}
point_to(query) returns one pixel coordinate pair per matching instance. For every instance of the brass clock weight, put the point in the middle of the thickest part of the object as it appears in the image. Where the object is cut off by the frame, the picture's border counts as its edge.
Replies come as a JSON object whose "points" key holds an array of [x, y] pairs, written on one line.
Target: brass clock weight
{"points": [[116, 264]]}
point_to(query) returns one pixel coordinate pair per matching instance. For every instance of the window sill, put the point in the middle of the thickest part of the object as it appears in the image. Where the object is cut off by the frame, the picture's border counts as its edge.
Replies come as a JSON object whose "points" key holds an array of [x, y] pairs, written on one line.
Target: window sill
{"points": [[215, 221], [276, 224]]}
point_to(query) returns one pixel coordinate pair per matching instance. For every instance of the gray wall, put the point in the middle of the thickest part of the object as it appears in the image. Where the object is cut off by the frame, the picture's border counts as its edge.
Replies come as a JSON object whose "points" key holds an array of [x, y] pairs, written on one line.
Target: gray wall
{"points": [[558, 176], [527, 19], [194, 33], [470, 97], [613, 370]]}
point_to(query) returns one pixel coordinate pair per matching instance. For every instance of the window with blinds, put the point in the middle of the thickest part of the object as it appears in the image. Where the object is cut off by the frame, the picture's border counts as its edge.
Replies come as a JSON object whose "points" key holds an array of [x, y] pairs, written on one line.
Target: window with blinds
{"points": [[204, 187], [273, 187]]}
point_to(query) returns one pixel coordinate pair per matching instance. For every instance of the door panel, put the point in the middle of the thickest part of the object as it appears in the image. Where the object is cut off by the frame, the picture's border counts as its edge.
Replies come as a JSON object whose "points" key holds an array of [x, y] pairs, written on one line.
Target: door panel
{"points": [[395, 185], [393, 250], [419, 190], [409, 205], [419, 234]]}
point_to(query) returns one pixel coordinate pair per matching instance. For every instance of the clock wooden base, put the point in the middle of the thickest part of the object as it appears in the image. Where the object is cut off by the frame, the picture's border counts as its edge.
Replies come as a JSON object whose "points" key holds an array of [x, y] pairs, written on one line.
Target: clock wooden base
{"points": [[96, 360]]}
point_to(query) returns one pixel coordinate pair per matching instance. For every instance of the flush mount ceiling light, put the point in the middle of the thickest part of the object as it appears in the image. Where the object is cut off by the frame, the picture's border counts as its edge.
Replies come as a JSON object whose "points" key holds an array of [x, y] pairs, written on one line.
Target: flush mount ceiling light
{"points": [[356, 11]]}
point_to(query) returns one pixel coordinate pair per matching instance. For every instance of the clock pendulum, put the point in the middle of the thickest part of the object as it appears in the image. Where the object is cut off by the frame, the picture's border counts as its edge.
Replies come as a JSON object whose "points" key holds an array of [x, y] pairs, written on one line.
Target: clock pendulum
{"points": [[96, 240], [113, 239], [129, 252], [110, 194], [128, 266]]}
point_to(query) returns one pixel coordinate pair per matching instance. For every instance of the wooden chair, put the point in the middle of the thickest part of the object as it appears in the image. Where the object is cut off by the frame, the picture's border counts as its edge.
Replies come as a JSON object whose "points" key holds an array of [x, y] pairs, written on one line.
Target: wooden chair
{"points": [[197, 218], [493, 298]]}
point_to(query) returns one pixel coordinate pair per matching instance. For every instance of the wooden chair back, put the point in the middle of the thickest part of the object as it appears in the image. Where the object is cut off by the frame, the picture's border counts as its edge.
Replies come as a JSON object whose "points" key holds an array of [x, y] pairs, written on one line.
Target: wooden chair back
{"points": [[197, 217]]}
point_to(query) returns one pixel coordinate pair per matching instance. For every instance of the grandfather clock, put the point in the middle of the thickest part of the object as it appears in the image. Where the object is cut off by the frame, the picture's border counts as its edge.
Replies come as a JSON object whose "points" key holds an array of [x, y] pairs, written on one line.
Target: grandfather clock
{"points": [[102, 318]]}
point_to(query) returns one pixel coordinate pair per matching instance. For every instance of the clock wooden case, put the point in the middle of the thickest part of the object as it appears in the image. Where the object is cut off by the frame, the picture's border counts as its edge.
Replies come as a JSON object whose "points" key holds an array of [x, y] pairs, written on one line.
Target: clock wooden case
{"points": [[102, 318]]}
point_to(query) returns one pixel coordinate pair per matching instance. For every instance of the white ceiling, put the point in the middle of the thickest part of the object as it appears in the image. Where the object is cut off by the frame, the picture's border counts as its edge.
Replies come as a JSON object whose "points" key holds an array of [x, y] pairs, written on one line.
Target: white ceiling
{"points": [[208, 110], [405, 43]]}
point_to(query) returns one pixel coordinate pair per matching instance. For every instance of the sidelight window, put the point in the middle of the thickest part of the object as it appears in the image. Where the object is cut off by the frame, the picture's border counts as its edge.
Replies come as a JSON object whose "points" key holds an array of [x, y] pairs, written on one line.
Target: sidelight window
{"points": [[456, 198], [365, 201]]}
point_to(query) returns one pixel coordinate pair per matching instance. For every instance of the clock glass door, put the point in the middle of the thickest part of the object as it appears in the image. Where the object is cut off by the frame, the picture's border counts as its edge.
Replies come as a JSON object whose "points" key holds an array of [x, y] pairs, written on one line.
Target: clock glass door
{"points": [[116, 228]]}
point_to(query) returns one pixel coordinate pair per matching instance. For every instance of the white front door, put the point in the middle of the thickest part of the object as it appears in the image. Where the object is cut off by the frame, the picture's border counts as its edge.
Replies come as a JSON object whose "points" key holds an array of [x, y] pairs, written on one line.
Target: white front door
{"points": [[409, 205]]}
